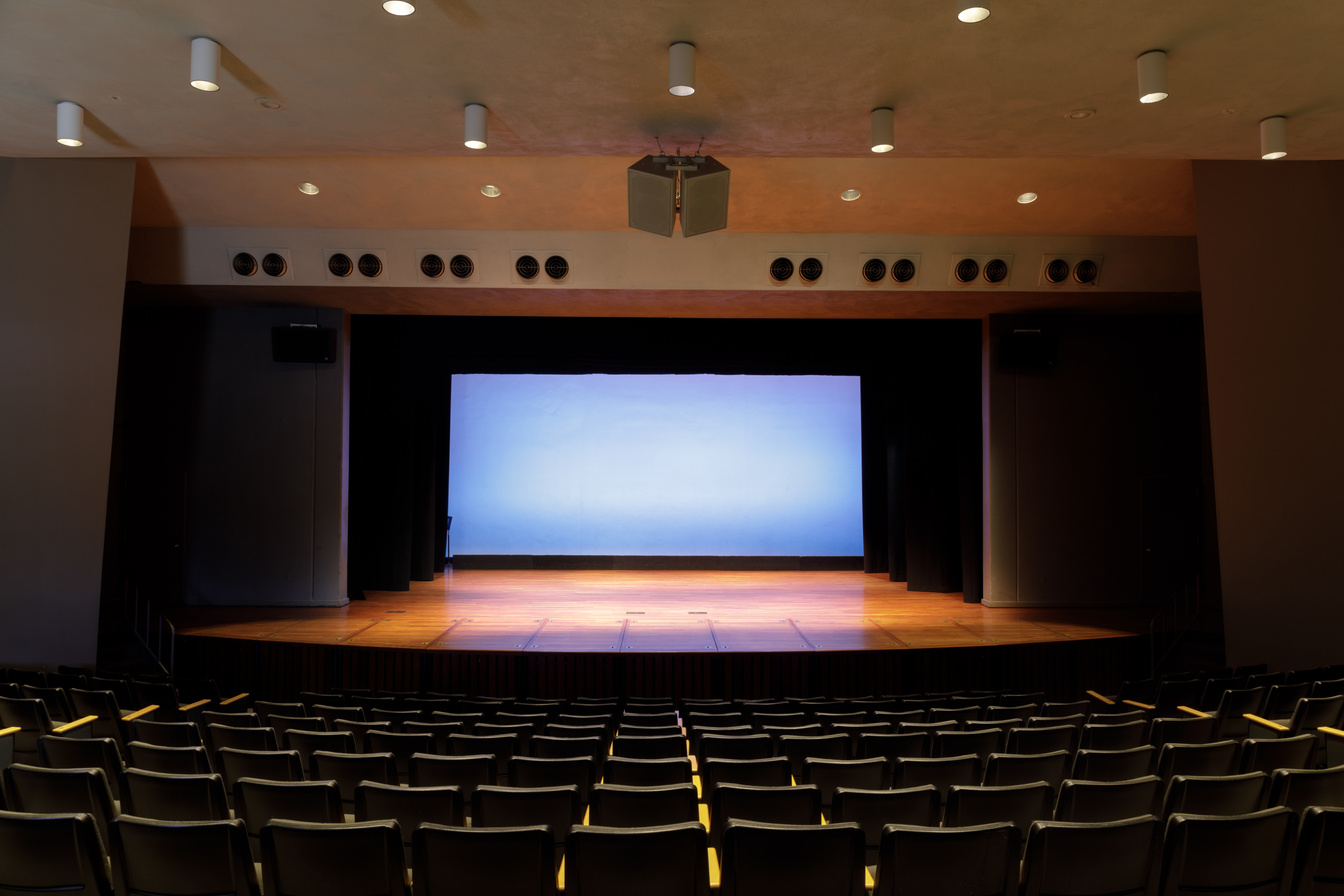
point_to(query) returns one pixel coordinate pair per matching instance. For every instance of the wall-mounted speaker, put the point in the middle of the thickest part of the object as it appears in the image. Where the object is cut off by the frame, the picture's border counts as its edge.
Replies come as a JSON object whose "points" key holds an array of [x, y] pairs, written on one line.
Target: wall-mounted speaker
{"points": [[355, 265], [980, 271], [259, 265], [889, 270], [1070, 271], [303, 344], [796, 269], [447, 267], [704, 198]]}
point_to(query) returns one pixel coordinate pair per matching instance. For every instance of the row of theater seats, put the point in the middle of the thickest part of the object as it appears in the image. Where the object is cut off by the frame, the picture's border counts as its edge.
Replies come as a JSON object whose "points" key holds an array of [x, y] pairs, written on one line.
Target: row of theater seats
{"points": [[1264, 852], [635, 730]]}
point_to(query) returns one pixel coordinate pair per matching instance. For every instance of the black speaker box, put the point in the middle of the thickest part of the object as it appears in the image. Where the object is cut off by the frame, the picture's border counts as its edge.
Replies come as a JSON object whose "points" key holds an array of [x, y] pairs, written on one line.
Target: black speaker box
{"points": [[304, 345]]}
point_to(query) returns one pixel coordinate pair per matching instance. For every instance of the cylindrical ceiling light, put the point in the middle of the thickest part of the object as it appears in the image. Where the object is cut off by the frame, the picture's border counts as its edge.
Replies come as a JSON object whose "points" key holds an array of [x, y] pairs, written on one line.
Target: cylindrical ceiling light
{"points": [[681, 69], [1153, 76], [70, 124], [883, 130], [475, 126], [204, 64], [972, 10], [1274, 137]]}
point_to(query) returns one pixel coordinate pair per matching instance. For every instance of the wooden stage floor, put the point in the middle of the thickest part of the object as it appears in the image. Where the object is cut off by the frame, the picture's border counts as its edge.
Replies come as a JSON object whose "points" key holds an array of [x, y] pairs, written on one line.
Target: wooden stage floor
{"points": [[659, 612]]}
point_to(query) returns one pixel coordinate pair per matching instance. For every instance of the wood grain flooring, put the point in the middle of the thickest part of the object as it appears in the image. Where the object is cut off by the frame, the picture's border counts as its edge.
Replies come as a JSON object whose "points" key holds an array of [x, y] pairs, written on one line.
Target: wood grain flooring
{"points": [[558, 611]]}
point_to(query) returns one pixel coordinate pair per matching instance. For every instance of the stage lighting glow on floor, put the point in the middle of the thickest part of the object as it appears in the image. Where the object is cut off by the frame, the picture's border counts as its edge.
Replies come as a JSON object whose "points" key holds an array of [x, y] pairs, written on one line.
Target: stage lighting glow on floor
{"points": [[658, 465]]}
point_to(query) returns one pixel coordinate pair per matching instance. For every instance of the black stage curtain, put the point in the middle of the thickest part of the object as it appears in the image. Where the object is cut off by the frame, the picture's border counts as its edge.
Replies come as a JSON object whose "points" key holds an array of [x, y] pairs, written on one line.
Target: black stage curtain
{"points": [[920, 394]]}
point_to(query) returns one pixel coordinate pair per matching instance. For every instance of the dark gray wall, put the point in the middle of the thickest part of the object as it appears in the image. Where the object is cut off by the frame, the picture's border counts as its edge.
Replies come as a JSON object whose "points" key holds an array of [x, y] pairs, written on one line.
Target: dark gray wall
{"points": [[265, 476], [64, 228], [1269, 237], [1094, 465]]}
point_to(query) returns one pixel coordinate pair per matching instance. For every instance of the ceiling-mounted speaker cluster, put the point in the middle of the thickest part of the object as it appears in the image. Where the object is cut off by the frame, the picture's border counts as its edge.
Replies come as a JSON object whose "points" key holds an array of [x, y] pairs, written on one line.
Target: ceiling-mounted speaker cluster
{"points": [[981, 271], [891, 271], [355, 265], [796, 269], [540, 268], [1070, 271], [447, 267], [259, 265]]}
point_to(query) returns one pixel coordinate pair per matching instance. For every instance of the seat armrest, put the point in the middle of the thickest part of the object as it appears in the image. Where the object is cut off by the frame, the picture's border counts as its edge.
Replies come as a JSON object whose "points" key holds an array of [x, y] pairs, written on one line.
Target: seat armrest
{"points": [[7, 746], [78, 728], [1137, 705], [234, 699], [1334, 746], [1263, 727], [1199, 714], [1100, 699], [140, 713], [715, 871], [193, 707]]}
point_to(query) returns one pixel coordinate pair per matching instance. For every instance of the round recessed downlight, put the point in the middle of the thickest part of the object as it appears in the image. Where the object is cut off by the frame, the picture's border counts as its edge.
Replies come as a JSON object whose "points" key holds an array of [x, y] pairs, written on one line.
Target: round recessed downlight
{"points": [[399, 7], [309, 189], [1026, 198], [1080, 114], [972, 13], [269, 103], [490, 190], [850, 195]]}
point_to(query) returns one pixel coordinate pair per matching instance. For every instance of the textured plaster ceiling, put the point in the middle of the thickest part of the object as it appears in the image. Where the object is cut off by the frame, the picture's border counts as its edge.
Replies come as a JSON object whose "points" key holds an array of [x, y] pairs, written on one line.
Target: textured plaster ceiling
{"points": [[577, 91]]}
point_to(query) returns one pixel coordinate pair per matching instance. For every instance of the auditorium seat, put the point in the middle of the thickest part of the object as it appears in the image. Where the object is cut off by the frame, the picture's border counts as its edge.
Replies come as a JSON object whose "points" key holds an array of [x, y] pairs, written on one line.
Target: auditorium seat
{"points": [[1120, 736], [828, 774], [1299, 788], [410, 807], [52, 853], [1024, 768], [84, 752], [1020, 804], [1265, 755], [941, 772], [258, 802], [1215, 795], [620, 806], [1319, 865], [51, 790], [872, 810], [359, 859], [669, 859], [306, 743], [794, 805], [1112, 765], [270, 765], [531, 771], [1217, 758], [30, 716], [166, 734], [182, 858], [349, 769], [1235, 854], [466, 772], [168, 760], [556, 807], [1114, 858], [1097, 801], [649, 772], [515, 861], [763, 859], [169, 797], [502, 746], [980, 860]]}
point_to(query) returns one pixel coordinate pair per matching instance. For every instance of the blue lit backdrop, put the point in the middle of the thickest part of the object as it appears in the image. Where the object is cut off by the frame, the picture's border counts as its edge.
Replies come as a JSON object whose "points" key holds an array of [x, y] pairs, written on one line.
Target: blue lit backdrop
{"points": [[697, 465]]}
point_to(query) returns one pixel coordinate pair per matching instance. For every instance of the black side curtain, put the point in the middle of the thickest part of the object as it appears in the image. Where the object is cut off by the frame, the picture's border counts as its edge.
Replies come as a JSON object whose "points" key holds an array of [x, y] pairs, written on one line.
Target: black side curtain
{"points": [[920, 394]]}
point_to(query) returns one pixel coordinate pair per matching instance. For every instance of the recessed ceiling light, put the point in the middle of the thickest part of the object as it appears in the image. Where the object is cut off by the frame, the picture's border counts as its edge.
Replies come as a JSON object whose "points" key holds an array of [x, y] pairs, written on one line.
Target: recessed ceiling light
{"points": [[850, 195], [972, 10], [269, 102], [490, 190], [310, 189], [1080, 114], [399, 7], [1026, 198]]}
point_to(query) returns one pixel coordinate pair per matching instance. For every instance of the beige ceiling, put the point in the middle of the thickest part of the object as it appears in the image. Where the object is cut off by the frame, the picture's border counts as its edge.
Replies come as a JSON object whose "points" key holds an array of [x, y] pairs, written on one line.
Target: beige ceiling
{"points": [[577, 91]]}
